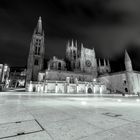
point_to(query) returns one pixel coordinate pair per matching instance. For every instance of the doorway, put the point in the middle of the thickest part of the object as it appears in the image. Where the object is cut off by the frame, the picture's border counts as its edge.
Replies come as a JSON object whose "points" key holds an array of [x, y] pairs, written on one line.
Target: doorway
{"points": [[90, 90], [126, 89]]}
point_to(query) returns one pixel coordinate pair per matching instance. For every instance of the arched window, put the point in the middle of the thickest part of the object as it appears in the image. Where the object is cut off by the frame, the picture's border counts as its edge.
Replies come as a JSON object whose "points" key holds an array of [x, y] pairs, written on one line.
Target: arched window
{"points": [[38, 50], [74, 54], [126, 89], [59, 66], [39, 43], [124, 82], [35, 50], [36, 62]]}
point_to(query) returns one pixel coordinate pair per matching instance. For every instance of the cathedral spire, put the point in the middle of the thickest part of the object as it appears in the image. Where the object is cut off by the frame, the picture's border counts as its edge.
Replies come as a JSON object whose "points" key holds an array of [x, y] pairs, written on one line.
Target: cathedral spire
{"points": [[104, 62], [76, 43], [108, 63], [82, 46], [68, 44], [94, 52], [72, 43], [39, 26], [128, 63], [127, 58]]}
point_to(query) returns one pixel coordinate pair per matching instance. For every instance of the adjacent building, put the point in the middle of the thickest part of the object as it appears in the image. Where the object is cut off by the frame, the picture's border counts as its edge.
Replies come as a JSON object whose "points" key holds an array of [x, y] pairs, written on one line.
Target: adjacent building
{"points": [[4, 75], [126, 82], [17, 77]]}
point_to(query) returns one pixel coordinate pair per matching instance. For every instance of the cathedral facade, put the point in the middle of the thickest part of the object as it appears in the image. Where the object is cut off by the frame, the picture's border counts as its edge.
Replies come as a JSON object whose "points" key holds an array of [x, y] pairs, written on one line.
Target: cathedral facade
{"points": [[79, 62], [82, 60], [79, 68], [77, 59]]}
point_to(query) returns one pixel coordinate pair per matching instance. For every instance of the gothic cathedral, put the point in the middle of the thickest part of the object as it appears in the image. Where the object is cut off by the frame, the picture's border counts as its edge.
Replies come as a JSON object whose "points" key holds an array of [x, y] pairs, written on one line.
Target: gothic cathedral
{"points": [[79, 65], [36, 53], [82, 60]]}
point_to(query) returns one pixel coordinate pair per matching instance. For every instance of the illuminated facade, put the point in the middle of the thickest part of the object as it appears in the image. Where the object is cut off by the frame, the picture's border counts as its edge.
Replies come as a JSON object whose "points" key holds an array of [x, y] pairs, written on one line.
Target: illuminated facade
{"points": [[68, 75], [78, 72]]}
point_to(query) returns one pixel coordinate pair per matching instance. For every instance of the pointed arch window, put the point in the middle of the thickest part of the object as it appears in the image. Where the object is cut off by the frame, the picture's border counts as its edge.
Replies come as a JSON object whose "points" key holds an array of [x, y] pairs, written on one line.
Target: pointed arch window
{"points": [[74, 54], [36, 62], [36, 50], [59, 66], [39, 42]]}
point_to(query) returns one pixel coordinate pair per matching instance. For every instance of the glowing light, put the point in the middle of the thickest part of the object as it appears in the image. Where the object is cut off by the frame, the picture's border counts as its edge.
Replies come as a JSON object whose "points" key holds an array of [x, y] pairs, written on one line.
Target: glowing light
{"points": [[137, 100], [30, 89], [101, 90], [5, 68], [119, 100], [83, 103]]}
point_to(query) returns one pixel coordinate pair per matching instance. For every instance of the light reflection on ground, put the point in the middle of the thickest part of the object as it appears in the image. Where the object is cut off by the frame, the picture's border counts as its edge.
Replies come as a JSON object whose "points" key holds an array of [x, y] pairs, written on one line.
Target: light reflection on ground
{"points": [[73, 117]]}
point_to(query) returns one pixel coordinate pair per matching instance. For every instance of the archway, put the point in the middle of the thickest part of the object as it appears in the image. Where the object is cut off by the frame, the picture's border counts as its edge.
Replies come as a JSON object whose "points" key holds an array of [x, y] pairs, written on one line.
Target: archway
{"points": [[126, 90], [59, 66], [34, 89], [90, 90]]}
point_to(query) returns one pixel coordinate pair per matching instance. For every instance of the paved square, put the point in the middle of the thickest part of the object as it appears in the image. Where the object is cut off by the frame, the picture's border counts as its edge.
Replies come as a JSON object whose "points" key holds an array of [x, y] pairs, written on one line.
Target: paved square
{"points": [[44, 117]]}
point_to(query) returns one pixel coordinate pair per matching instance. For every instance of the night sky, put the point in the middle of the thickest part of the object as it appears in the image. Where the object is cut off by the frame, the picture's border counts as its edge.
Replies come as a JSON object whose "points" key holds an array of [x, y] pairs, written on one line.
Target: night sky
{"points": [[110, 26]]}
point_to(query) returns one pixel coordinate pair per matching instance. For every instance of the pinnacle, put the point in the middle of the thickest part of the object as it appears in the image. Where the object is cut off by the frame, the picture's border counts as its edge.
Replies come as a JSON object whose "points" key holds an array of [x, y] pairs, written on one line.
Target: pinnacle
{"points": [[127, 58]]}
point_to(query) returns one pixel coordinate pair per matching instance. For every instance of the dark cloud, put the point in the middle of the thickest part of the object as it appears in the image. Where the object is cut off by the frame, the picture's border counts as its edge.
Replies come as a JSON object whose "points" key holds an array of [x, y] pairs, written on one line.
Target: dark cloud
{"points": [[109, 26]]}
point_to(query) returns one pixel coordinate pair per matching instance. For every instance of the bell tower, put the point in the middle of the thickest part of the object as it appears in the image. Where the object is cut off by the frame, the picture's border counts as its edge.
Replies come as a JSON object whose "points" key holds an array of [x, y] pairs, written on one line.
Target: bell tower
{"points": [[36, 53]]}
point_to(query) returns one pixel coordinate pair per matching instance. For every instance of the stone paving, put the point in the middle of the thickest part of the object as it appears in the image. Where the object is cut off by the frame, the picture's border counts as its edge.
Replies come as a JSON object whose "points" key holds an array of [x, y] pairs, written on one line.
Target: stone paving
{"points": [[34, 117]]}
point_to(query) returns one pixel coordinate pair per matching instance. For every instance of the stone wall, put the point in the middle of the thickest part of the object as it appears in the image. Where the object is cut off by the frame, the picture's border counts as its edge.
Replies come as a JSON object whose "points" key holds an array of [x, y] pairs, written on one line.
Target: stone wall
{"points": [[62, 75], [63, 87], [135, 80], [119, 82], [114, 82]]}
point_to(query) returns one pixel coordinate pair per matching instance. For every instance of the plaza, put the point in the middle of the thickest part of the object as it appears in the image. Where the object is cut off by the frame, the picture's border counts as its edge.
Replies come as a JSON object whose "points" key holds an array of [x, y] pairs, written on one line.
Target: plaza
{"points": [[33, 116]]}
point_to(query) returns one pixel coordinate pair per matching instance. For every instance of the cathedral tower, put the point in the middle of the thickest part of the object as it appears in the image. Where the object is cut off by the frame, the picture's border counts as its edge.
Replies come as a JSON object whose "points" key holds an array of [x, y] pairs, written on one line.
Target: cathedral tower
{"points": [[36, 53], [88, 63], [129, 74], [71, 55]]}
